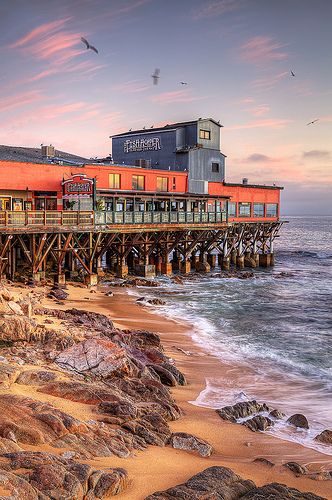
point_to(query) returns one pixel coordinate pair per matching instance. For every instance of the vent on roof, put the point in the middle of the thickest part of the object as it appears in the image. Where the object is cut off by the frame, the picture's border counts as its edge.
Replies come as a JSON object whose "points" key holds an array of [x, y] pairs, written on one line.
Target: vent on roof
{"points": [[48, 151]]}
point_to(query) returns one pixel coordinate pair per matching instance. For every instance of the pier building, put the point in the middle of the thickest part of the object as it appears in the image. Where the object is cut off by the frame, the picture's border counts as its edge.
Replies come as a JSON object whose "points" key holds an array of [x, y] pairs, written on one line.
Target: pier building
{"points": [[160, 204]]}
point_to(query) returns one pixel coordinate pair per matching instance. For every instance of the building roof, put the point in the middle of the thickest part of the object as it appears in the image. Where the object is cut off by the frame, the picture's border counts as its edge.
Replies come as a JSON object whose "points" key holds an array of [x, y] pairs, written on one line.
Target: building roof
{"points": [[263, 186], [34, 155], [166, 127]]}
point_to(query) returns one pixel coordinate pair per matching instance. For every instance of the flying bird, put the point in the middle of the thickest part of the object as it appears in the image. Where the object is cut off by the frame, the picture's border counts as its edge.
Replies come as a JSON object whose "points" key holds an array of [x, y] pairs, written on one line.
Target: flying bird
{"points": [[88, 46], [184, 83], [313, 121], [292, 73], [156, 76]]}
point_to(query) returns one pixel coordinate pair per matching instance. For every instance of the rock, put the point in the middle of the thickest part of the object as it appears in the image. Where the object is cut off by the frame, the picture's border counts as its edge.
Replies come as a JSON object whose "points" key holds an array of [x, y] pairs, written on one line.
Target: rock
{"points": [[19, 328], [15, 308], [221, 483], [8, 445], [119, 408], [166, 377], [299, 420], [264, 461], [35, 377], [8, 375], [98, 357], [299, 470], [109, 294], [177, 279], [107, 483], [241, 410], [324, 437], [156, 302], [278, 415], [188, 442], [153, 428], [258, 423], [48, 322], [58, 294], [14, 487]]}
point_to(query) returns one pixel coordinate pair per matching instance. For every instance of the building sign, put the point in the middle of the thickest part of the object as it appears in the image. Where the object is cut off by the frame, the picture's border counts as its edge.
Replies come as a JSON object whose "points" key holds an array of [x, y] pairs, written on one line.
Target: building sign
{"points": [[152, 144], [78, 186]]}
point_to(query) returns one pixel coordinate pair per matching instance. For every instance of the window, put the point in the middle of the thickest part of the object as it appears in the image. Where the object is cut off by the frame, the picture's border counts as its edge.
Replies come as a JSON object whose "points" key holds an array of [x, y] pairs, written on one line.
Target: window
{"points": [[244, 209], [271, 210], [174, 182], [232, 209], [138, 182], [258, 209], [205, 134], [215, 167], [114, 181], [141, 162], [162, 184]]}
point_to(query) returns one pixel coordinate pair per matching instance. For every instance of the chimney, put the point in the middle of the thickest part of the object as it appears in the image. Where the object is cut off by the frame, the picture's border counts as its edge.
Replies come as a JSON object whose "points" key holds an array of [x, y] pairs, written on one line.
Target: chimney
{"points": [[245, 180], [48, 151]]}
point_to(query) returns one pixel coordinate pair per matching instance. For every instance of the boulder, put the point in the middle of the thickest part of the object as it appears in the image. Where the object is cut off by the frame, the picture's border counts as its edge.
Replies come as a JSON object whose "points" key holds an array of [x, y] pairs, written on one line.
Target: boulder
{"points": [[36, 377], [17, 328], [188, 442], [299, 420], [221, 483], [99, 357], [15, 487], [258, 423], [15, 308], [153, 428], [119, 408], [277, 414], [324, 437], [241, 410], [8, 375], [58, 294], [264, 461], [107, 483]]}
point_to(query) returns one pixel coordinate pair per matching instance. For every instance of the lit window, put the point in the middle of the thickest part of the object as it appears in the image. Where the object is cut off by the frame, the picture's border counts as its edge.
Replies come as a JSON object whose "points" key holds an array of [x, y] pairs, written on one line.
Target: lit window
{"points": [[205, 134], [162, 184], [244, 209], [215, 167], [258, 209], [138, 182], [114, 181], [232, 208], [271, 210]]}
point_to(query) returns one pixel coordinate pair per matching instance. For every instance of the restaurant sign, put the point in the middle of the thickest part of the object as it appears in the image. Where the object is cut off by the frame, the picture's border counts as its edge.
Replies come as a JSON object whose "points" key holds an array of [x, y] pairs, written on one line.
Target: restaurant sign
{"points": [[79, 185], [151, 144]]}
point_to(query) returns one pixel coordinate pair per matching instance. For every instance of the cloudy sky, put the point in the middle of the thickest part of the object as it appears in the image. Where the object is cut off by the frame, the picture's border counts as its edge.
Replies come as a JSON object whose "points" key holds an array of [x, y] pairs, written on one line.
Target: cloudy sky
{"points": [[236, 56]]}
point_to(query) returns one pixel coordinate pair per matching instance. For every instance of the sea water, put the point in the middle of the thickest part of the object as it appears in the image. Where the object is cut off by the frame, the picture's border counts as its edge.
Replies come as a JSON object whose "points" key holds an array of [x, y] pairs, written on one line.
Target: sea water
{"points": [[276, 326]]}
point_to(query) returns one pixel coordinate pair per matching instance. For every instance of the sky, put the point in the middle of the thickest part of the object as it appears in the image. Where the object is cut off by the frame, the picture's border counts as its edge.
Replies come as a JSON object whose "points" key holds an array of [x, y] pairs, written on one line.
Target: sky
{"points": [[235, 55]]}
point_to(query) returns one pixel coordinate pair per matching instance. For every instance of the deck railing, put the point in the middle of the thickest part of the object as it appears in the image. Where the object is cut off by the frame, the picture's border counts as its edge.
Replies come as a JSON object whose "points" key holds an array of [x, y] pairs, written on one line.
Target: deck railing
{"points": [[77, 218]]}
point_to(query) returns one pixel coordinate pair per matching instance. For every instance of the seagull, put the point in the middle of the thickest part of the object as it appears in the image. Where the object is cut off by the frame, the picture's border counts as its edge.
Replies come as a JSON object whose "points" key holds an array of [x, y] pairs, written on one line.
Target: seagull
{"points": [[151, 126], [184, 83], [88, 46], [156, 76], [313, 121], [292, 73]]}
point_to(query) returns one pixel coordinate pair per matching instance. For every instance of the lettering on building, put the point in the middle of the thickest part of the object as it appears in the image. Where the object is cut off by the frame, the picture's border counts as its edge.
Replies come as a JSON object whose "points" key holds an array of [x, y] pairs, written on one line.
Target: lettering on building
{"points": [[152, 144]]}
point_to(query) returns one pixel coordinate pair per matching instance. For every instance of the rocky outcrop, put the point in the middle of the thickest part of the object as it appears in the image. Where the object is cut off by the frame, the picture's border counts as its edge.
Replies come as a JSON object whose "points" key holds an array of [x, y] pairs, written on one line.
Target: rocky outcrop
{"points": [[276, 414], [299, 420], [299, 470], [221, 483], [241, 410], [50, 476], [324, 437], [258, 423], [188, 442]]}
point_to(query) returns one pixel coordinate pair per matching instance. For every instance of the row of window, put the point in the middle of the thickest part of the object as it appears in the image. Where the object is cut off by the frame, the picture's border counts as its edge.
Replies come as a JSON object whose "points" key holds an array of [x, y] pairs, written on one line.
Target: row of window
{"points": [[138, 182], [247, 209]]}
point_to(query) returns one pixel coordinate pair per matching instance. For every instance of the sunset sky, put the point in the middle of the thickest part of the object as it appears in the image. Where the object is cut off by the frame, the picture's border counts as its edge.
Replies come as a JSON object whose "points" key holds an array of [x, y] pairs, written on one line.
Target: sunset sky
{"points": [[236, 56]]}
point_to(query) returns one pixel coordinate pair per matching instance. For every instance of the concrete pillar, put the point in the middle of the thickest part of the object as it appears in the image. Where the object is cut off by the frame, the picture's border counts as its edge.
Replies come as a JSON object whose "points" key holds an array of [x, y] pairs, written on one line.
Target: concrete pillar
{"points": [[212, 260], [158, 263], [272, 262], [240, 261], [121, 268], [203, 266], [249, 261], [91, 279], [176, 264], [145, 270], [185, 266], [265, 259], [36, 277], [60, 279], [166, 268], [100, 270], [194, 260], [234, 257], [226, 263]]}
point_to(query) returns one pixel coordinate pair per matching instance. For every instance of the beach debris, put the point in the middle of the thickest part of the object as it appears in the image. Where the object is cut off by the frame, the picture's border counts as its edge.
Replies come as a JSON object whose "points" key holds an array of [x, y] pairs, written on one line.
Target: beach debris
{"points": [[299, 420], [188, 442], [153, 302], [324, 437], [222, 482], [299, 470], [264, 461], [187, 353]]}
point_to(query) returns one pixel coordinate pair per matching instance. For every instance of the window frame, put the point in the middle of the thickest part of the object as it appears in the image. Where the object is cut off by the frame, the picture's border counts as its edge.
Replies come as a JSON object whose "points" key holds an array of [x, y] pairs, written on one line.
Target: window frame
{"points": [[138, 186], [244, 204], [205, 134], [258, 214], [114, 185], [215, 165], [229, 213], [163, 180], [268, 206]]}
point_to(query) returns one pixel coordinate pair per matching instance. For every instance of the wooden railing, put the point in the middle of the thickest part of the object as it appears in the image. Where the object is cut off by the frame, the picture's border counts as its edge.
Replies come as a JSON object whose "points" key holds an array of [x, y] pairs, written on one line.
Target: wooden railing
{"points": [[75, 218]]}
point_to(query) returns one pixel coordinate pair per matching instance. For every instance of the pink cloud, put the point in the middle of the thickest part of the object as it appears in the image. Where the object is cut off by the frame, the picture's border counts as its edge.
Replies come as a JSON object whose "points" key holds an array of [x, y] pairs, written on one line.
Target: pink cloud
{"points": [[269, 82], [19, 100], [175, 96], [260, 110], [132, 86], [217, 8], [266, 123], [41, 30], [262, 49]]}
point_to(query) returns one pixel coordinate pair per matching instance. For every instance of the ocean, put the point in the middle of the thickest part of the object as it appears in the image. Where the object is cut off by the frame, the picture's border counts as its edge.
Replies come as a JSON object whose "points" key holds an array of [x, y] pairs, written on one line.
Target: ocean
{"points": [[276, 326]]}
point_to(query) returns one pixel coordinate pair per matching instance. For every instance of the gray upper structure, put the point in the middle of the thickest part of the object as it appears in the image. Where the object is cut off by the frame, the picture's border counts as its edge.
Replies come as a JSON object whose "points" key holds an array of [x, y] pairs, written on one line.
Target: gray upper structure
{"points": [[192, 146]]}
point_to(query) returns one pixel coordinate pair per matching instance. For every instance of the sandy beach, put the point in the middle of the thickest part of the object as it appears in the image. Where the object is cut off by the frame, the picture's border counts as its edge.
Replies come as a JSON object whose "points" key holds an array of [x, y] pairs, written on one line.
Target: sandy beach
{"points": [[234, 446]]}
